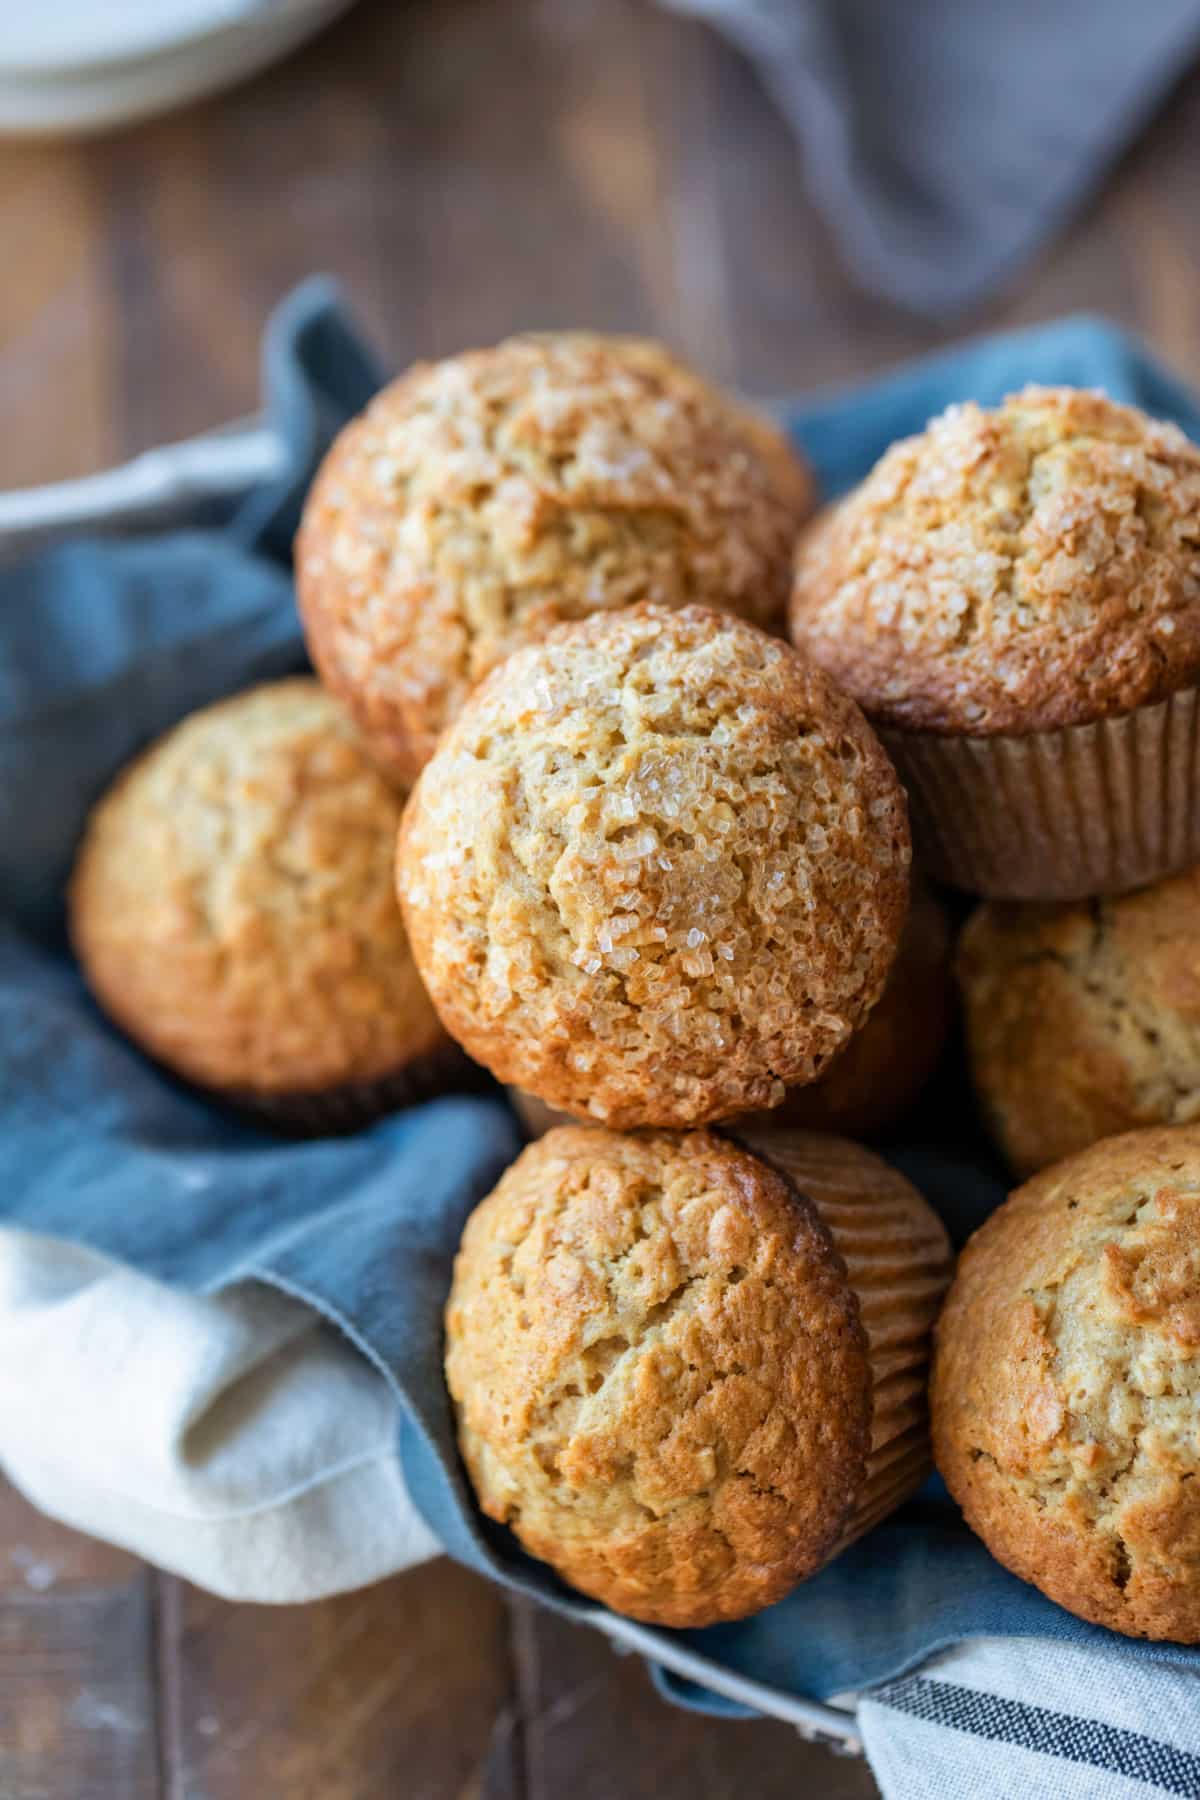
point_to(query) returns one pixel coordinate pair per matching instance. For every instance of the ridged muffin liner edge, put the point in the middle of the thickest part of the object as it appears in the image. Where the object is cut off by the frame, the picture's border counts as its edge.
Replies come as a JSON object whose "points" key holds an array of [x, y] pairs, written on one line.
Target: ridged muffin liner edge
{"points": [[1083, 810], [898, 1264]]}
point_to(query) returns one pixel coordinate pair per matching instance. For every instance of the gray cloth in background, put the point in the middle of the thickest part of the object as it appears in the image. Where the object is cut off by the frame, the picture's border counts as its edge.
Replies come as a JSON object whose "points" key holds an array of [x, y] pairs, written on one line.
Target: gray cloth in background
{"points": [[946, 140]]}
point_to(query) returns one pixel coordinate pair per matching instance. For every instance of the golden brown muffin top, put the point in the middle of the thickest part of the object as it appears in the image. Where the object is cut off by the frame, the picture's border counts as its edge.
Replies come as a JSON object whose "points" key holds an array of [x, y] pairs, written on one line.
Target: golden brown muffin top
{"points": [[233, 902], [1066, 1386], [480, 500], [661, 1377], [657, 869], [1011, 570], [1084, 1020]]}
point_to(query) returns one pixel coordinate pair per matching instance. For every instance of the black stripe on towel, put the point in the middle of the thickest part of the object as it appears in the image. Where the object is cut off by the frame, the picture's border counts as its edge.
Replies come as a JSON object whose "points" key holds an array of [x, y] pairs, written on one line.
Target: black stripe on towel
{"points": [[1064, 1735]]}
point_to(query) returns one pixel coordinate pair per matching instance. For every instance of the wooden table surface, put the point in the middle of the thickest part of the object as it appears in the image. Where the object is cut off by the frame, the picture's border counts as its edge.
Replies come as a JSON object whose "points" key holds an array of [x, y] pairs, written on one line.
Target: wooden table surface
{"points": [[466, 168]]}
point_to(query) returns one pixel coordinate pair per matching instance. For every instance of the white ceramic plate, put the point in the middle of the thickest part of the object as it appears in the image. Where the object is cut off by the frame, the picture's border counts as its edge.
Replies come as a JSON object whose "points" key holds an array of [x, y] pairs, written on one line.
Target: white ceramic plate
{"points": [[88, 65]]}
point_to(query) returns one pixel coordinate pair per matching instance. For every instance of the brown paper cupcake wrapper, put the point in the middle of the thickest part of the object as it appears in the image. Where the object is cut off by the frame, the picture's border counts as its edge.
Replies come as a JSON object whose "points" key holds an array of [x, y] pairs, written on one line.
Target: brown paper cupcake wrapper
{"points": [[898, 1261], [1058, 815], [354, 1105]]}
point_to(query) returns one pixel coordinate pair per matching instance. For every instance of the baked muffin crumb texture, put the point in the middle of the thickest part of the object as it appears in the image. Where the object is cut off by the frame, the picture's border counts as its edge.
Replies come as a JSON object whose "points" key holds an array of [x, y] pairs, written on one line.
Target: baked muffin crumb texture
{"points": [[1012, 570], [233, 902], [1084, 1020], [661, 1373], [657, 870], [1066, 1392], [480, 500]]}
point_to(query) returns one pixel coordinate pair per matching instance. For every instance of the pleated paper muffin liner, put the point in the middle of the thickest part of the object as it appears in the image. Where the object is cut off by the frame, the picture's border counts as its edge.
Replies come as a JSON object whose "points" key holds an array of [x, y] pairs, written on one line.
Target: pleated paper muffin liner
{"points": [[899, 1262], [1058, 815], [351, 1106]]}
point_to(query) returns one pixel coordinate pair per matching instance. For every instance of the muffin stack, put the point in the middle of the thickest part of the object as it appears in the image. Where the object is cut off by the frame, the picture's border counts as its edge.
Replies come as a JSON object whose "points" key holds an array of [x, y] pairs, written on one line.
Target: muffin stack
{"points": [[1014, 599], [653, 871], [234, 902], [655, 874]]}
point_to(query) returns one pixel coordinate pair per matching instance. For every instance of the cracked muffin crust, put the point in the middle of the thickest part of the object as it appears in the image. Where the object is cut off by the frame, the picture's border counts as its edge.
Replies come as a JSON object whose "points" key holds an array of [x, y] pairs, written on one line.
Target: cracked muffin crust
{"points": [[657, 870], [666, 1380], [480, 500], [887, 1063], [234, 909], [1084, 1021], [1066, 1388], [1011, 570]]}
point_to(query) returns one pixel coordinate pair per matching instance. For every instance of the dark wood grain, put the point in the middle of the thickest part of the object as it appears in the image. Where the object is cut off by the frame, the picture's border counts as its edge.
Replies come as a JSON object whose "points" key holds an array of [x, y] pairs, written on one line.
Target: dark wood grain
{"points": [[402, 1688], [594, 1728], [77, 1660], [465, 168], [56, 321]]}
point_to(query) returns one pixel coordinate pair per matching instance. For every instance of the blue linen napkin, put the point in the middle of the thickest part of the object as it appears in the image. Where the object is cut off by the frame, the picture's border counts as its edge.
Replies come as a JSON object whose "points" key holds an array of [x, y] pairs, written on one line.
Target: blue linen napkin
{"points": [[103, 645]]}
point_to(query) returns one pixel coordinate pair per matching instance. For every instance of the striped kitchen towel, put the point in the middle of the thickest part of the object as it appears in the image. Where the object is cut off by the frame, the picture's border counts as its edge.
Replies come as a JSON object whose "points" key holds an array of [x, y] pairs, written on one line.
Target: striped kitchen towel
{"points": [[1026, 1718]]}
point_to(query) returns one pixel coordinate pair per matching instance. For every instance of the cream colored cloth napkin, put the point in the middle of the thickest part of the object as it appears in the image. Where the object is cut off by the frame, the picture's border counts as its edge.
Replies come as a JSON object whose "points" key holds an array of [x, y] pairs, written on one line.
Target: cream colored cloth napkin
{"points": [[235, 1439]]}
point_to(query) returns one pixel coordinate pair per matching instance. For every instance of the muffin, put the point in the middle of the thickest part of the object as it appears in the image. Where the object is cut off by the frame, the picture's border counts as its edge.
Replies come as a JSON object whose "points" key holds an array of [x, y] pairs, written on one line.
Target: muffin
{"points": [[234, 911], [687, 1375], [880, 1074], [657, 870], [1066, 1388], [481, 500], [1012, 597], [1084, 1020]]}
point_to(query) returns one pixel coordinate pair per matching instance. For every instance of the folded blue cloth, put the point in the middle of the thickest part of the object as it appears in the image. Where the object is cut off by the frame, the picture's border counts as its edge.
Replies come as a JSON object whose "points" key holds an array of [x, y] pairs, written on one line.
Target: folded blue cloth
{"points": [[104, 645], [944, 142]]}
